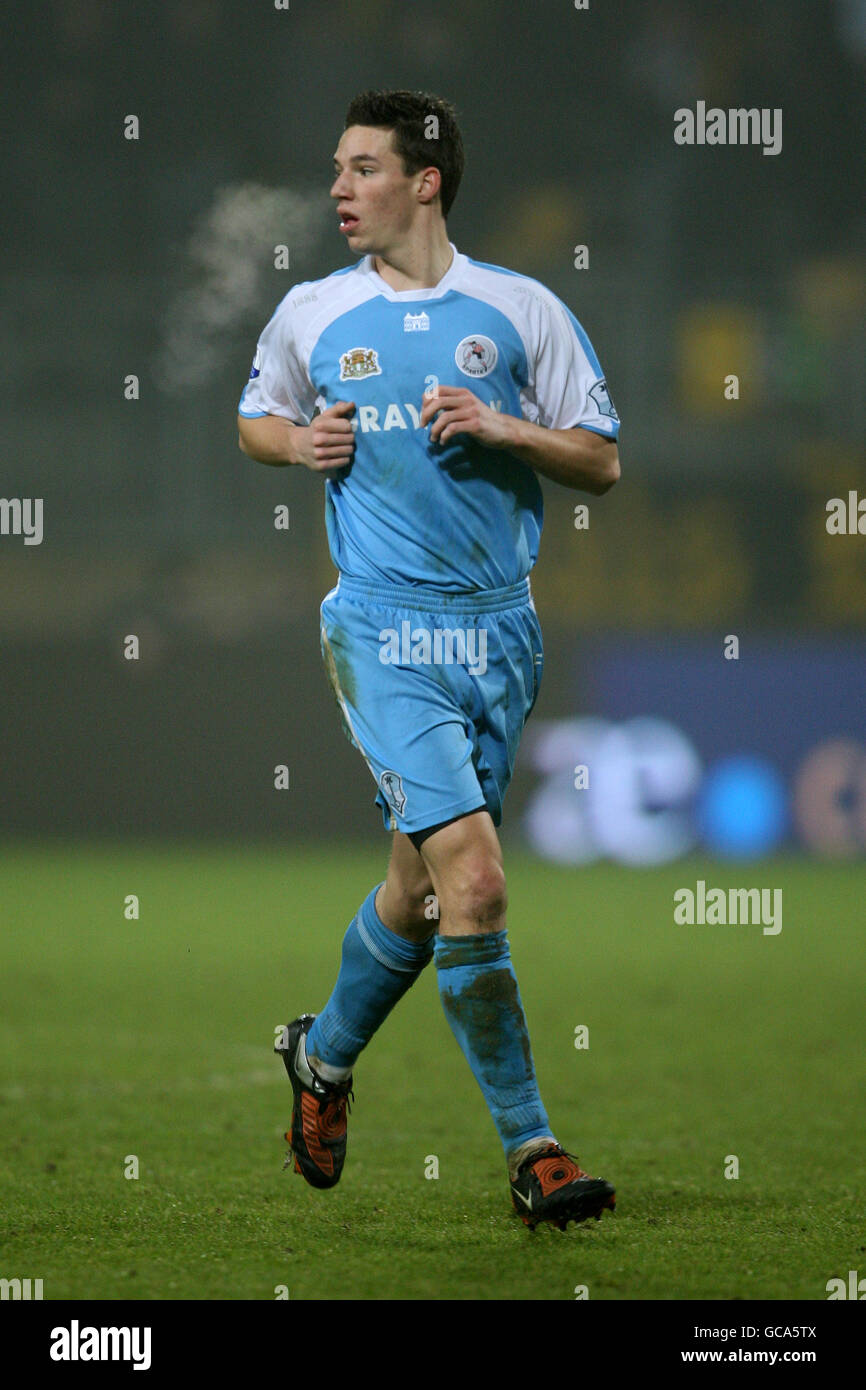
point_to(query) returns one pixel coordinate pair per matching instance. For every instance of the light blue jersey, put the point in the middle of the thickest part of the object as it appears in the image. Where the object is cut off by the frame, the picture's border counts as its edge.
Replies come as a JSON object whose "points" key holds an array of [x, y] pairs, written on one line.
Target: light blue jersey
{"points": [[408, 511]]}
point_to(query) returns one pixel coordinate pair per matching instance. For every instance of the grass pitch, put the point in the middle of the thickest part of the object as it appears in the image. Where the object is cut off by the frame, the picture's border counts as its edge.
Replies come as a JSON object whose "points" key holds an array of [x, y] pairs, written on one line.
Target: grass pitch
{"points": [[151, 1039]]}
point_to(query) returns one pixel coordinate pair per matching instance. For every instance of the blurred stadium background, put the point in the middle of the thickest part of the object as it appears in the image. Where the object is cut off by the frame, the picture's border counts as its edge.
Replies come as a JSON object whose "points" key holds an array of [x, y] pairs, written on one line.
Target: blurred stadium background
{"points": [[155, 257]]}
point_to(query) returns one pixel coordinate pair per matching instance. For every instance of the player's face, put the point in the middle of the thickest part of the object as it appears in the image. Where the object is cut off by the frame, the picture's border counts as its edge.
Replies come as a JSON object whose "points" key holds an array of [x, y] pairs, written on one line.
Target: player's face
{"points": [[375, 198]]}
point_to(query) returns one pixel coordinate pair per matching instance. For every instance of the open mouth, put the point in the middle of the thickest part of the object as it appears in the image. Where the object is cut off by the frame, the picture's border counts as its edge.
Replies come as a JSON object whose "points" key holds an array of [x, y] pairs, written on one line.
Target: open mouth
{"points": [[348, 222]]}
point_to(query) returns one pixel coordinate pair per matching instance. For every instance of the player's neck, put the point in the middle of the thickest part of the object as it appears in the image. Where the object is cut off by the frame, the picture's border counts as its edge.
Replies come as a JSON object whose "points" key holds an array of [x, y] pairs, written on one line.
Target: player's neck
{"points": [[419, 265]]}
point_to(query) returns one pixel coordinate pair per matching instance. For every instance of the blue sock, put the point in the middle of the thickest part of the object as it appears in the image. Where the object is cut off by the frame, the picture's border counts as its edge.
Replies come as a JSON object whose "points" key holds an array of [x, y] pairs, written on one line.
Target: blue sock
{"points": [[377, 968], [479, 994]]}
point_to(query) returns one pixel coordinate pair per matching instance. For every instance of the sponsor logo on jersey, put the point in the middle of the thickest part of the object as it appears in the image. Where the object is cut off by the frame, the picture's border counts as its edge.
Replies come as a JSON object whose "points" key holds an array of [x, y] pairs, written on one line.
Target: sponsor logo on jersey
{"points": [[416, 323], [392, 789], [476, 356], [256, 368], [358, 363], [404, 415], [602, 399]]}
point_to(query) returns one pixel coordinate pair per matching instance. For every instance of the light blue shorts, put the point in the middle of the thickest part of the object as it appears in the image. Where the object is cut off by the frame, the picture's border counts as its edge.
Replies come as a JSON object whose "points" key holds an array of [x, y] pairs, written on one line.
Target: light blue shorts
{"points": [[434, 697]]}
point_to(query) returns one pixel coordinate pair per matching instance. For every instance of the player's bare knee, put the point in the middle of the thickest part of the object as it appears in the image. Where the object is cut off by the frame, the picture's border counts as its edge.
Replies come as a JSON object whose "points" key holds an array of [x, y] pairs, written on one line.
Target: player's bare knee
{"points": [[478, 893]]}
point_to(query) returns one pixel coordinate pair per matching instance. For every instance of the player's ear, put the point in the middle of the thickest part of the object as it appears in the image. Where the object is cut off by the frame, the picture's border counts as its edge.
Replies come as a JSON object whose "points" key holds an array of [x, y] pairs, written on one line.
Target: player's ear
{"points": [[429, 184]]}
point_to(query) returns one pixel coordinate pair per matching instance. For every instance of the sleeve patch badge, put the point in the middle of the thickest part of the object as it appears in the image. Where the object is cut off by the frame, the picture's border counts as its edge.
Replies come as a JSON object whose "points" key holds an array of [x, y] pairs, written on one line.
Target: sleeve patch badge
{"points": [[605, 405]]}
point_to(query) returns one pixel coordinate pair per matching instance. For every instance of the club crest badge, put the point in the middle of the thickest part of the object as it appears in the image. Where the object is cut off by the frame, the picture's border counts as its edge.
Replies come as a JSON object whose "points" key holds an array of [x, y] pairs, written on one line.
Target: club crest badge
{"points": [[358, 363], [476, 355], [392, 789]]}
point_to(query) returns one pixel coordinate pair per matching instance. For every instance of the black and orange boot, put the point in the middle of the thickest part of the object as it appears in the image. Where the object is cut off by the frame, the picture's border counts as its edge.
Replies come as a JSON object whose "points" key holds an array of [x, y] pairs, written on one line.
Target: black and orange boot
{"points": [[318, 1132], [550, 1186]]}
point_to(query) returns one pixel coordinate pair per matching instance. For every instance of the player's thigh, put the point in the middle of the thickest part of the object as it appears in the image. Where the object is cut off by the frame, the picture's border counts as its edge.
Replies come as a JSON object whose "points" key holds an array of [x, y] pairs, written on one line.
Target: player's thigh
{"points": [[408, 874], [407, 901], [464, 858]]}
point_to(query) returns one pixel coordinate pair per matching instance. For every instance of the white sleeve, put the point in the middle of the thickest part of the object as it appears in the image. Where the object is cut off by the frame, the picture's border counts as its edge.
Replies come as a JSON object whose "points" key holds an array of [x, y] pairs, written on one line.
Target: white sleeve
{"points": [[278, 384], [567, 385]]}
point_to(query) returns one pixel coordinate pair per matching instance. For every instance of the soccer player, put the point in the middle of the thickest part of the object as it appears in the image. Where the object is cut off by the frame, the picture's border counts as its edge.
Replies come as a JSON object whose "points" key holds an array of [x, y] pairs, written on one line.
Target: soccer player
{"points": [[429, 391]]}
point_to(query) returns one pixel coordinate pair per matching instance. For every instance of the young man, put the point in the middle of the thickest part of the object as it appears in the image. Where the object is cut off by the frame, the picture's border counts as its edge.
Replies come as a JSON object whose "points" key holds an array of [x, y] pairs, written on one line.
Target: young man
{"points": [[444, 386]]}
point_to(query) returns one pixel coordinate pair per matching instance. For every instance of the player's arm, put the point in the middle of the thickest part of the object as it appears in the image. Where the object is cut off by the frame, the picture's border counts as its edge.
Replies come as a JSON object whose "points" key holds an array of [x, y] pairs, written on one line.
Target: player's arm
{"points": [[577, 458], [325, 445], [268, 439]]}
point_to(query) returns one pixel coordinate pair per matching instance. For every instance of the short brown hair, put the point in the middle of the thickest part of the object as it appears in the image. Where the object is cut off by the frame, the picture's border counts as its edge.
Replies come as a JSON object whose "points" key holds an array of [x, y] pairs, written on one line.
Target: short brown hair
{"points": [[407, 114]]}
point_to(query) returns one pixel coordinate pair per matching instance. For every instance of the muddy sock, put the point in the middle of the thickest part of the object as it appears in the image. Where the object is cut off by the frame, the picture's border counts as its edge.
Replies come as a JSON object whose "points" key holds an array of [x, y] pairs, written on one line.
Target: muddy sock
{"points": [[479, 994]]}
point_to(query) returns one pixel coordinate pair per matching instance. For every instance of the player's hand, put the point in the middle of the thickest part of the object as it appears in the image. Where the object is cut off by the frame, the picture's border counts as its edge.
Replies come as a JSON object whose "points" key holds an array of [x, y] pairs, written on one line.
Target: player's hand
{"points": [[328, 444], [454, 410]]}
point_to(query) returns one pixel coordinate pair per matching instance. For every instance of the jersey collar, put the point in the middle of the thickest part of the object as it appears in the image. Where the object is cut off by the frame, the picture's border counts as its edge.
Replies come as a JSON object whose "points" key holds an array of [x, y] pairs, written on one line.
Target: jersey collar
{"points": [[458, 261]]}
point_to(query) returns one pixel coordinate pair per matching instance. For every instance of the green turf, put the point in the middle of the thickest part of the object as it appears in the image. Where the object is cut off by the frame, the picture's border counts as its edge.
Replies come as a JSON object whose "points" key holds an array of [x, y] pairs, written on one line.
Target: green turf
{"points": [[152, 1038]]}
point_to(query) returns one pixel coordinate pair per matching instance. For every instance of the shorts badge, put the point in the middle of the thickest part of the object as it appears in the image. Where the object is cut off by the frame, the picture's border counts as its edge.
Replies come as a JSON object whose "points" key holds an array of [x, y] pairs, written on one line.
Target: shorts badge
{"points": [[392, 789]]}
